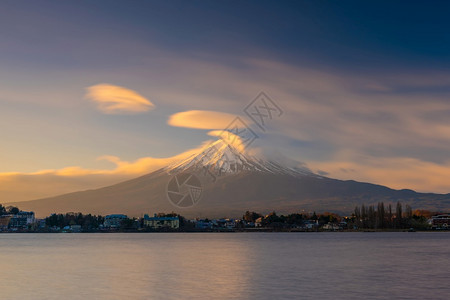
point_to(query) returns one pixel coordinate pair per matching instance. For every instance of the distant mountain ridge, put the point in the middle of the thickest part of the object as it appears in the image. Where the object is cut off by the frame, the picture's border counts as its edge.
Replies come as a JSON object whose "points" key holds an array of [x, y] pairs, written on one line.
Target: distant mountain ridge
{"points": [[232, 182]]}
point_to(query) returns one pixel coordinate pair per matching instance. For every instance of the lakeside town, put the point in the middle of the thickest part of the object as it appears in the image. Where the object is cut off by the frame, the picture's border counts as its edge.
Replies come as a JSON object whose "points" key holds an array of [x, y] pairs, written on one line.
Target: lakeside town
{"points": [[364, 218]]}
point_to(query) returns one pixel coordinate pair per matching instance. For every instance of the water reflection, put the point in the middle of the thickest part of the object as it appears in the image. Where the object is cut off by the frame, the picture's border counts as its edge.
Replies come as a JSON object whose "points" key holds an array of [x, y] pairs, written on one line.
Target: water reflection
{"points": [[224, 266]]}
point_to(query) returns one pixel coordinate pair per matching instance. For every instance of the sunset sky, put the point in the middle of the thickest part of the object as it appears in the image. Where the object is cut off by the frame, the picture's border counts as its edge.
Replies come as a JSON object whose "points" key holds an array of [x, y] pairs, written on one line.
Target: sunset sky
{"points": [[95, 92]]}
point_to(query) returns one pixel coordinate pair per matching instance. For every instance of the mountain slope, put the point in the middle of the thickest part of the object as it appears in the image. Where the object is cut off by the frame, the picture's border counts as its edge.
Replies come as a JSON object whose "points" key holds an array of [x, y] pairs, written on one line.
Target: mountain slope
{"points": [[231, 183]]}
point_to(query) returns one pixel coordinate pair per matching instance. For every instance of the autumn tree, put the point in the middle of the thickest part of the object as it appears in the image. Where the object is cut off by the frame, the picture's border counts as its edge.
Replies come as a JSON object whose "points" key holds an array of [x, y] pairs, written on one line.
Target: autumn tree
{"points": [[251, 216]]}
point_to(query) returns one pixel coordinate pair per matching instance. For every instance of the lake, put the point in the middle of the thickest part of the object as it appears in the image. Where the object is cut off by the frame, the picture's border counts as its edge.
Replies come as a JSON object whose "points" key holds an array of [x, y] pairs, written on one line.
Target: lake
{"points": [[398, 265]]}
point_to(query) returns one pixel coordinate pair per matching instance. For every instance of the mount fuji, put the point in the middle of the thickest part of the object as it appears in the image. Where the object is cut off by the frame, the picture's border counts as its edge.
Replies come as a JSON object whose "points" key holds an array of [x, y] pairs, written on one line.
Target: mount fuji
{"points": [[222, 158], [224, 180]]}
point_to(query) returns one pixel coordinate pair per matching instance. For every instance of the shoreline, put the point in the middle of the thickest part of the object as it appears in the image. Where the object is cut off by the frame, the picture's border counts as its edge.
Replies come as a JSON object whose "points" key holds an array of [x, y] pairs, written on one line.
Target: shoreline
{"points": [[262, 230]]}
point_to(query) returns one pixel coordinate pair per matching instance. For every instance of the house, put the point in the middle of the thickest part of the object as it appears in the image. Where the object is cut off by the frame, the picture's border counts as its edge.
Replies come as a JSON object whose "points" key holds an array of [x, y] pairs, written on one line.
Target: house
{"points": [[310, 224], [230, 224], [156, 222], [75, 228], [343, 225], [441, 221], [41, 223], [204, 224], [249, 224], [224, 223], [331, 227], [258, 222], [114, 221]]}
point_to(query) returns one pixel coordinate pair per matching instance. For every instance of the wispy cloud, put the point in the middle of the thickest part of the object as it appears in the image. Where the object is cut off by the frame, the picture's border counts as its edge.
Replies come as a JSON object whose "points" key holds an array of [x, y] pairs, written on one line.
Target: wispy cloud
{"points": [[112, 99], [201, 119], [16, 187], [229, 138]]}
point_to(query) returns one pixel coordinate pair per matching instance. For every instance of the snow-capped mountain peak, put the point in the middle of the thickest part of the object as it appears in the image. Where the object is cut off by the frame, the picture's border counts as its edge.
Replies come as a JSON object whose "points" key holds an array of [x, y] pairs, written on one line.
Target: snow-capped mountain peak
{"points": [[222, 158]]}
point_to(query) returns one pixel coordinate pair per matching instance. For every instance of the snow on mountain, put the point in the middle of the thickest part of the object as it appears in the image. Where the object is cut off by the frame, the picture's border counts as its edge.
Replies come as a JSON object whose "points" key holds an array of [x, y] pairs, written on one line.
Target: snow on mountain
{"points": [[222, 158]]}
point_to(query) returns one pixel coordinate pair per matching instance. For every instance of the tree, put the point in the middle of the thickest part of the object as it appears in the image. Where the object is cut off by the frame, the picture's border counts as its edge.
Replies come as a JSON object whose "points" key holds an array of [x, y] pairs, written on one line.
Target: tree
{"points": [[251, 216], [364, 217], [389, 217], [419, 222], [408, 216], [398, 215], [2, 210], [12, 210], [371, 217], [295, 219], [327, 218], [408, 212], [87, 222], [128, 224], [357, 214], [381, 223]]}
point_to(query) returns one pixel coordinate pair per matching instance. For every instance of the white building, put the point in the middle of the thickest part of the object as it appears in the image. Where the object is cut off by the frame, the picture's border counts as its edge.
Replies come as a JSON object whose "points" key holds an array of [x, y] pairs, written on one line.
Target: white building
{"points": [[156, 222], [22, 219]]}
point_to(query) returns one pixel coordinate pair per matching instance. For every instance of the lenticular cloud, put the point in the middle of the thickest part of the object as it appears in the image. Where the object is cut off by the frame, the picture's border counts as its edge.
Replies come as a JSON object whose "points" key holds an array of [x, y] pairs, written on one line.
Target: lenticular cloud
{"points": [[112, 99]]}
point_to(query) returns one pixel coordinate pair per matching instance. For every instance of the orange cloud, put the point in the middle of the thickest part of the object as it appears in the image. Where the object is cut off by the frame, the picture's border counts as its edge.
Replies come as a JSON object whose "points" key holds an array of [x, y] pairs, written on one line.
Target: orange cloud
{"points": [[16, 187], [201, 119], [112, 99], [394, 172]]}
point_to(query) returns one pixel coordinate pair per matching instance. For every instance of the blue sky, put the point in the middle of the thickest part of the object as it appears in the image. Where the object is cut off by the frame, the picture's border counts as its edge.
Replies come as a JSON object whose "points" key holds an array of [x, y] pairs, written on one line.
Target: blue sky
{"points": [[364, 86]]}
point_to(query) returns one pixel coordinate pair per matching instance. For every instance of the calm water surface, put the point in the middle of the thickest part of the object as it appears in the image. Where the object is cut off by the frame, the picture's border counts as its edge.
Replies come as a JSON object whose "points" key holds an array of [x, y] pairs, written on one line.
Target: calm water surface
{"points": [[225, 266]]}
